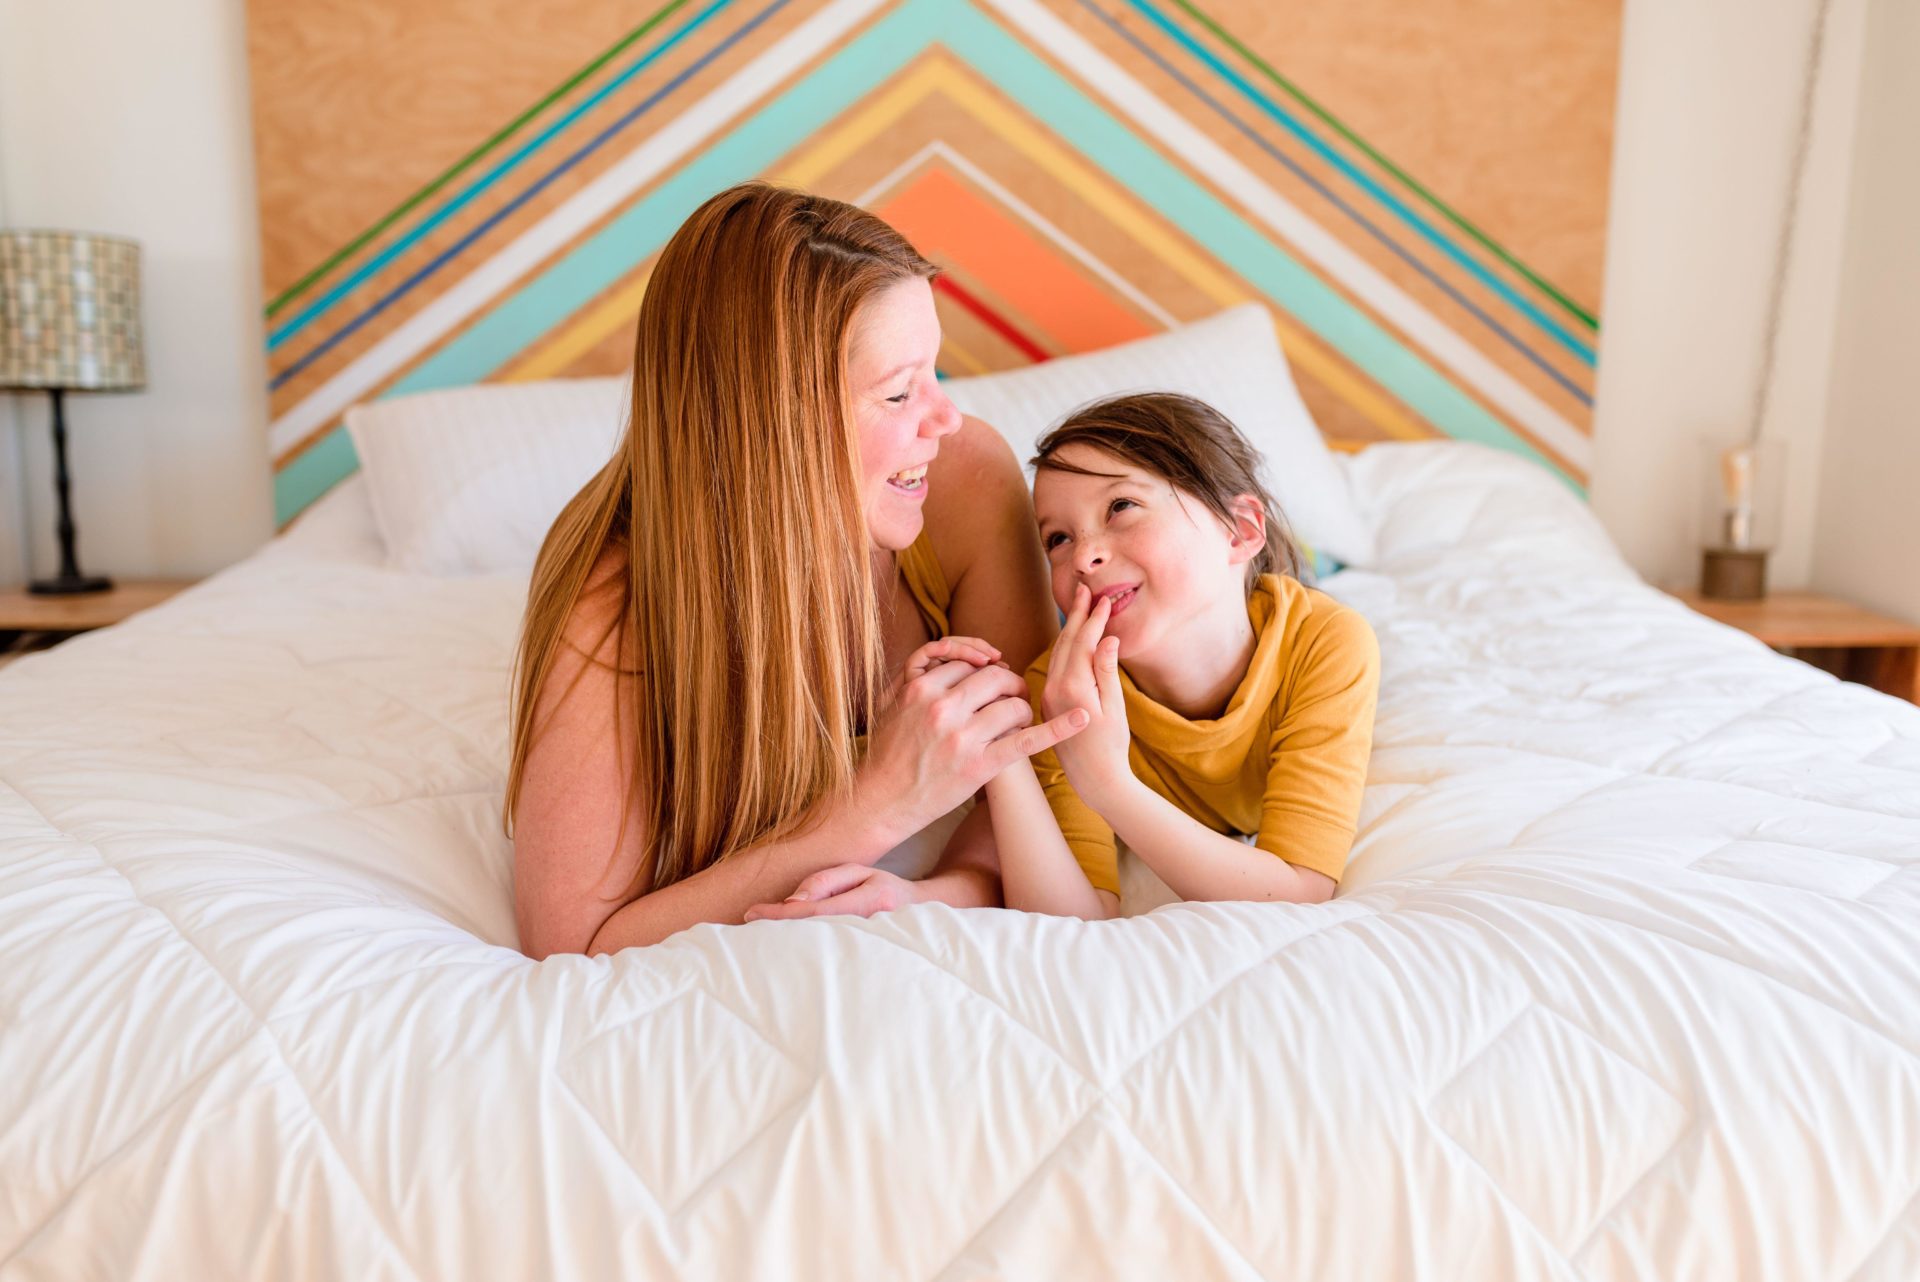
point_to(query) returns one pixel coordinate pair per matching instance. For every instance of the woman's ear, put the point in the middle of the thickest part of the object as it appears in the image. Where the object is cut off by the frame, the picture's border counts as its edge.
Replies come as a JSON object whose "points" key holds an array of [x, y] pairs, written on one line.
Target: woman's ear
{"points": [[1249, 529]]}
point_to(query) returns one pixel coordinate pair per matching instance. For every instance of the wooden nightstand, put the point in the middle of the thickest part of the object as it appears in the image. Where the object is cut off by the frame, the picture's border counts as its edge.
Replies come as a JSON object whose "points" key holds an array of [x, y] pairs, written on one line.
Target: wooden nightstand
{"points": [[1852, 643], [29, 622]]}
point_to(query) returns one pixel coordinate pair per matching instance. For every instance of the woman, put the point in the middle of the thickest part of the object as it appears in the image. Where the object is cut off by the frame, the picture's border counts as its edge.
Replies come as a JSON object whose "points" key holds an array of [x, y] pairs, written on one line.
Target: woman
{"points": [[795, 512]]}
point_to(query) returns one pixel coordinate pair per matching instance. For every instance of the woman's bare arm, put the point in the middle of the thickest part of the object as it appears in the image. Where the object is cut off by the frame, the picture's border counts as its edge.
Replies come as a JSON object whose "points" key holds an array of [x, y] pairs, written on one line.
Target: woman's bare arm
{"points": [[570, 882], [946, 731]]}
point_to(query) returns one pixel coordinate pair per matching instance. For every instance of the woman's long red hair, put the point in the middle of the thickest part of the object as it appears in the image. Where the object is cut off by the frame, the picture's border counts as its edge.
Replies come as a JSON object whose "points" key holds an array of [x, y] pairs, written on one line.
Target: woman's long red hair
{"points": [[747, 618]]}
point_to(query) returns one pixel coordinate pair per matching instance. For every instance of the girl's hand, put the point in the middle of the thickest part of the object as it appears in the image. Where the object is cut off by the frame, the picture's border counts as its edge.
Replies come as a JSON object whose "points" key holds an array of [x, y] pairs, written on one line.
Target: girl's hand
{"points": [[850, 889], [956, 717], [1084, 672]]}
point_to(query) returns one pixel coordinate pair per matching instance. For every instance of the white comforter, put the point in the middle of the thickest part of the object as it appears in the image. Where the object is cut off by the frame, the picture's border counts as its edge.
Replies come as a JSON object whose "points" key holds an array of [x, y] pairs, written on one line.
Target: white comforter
{"points": [[1623, 981]]}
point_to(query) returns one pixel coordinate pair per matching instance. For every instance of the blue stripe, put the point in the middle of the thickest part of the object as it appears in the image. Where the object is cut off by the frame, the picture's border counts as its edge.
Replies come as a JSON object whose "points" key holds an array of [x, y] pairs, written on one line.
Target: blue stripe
{"points": [[581, 273], [313, 311], [1511, 339], [1432, 234], [507, 210]]}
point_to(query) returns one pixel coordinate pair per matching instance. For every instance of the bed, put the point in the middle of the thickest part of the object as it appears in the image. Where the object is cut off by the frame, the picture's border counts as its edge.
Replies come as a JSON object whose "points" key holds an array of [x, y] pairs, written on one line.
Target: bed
{"points": [[1623, 981]]}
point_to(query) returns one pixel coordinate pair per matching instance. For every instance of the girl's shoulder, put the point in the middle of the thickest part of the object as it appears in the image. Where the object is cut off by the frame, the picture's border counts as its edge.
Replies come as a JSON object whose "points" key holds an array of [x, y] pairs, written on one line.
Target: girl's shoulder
{"points": [[1319, 632]]}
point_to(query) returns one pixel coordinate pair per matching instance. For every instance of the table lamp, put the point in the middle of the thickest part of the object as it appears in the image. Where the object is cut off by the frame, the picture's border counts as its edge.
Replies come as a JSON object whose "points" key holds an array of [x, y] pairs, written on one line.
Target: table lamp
{"points": [[69, 321]]}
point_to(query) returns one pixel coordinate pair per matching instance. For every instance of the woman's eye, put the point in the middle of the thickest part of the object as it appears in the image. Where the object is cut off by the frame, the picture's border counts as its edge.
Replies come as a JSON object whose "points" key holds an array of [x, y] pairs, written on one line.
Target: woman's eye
{"points": [[900, 399]]}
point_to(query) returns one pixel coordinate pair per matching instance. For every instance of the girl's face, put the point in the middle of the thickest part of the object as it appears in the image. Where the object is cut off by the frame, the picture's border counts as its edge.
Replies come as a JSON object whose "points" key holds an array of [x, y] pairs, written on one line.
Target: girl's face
{"points": [[1166, 561], [899, 409]]}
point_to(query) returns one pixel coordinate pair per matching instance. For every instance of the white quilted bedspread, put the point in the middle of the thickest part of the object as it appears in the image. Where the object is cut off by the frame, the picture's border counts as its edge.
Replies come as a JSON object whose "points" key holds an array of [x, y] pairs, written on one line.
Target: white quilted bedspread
{"points": [[1624, 981]]}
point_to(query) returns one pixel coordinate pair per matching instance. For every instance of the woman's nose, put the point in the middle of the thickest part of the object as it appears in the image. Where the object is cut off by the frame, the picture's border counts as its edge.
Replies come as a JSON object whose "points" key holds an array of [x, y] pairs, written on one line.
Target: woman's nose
{"points": [[943, 418]]}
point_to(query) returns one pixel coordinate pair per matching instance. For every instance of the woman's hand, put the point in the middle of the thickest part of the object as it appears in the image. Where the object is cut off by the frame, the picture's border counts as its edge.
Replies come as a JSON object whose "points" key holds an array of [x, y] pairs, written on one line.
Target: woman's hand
{"points": [[1084, 673], [956, 717], [850, 889]]}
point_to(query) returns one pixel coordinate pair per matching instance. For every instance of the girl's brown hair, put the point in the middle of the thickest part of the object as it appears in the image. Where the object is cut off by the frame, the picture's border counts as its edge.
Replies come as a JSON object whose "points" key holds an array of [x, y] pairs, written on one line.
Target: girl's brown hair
{"points": [[1191, 446], [745, 609]]}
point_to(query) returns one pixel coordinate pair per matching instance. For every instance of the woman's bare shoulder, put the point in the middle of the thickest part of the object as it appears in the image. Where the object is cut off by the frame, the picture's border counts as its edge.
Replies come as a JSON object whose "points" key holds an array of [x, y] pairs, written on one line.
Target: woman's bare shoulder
{"points": [[579, 836], [977, 499], [593, 625]]}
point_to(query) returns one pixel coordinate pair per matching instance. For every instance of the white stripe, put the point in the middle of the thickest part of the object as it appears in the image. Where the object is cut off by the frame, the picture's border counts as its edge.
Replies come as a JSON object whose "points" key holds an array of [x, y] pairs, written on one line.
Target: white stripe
{"points": [[665, 147], [1073, 247], [896, 175], [1315, 242]]}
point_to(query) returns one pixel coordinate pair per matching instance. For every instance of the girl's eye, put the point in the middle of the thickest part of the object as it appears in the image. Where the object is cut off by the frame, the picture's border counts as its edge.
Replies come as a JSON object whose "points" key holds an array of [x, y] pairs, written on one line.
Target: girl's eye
{"points": [[1117, 504], [1053, 541]]}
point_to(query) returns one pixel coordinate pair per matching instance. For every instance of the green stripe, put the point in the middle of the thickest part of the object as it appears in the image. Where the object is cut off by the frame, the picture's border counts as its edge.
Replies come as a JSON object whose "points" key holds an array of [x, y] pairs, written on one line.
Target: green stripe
{"points": [[1446, 211], [755, 145], [466, 162]]}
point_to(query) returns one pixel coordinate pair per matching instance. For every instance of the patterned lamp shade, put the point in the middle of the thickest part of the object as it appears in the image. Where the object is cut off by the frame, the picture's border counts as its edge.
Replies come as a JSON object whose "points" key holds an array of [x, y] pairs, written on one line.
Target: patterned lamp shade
{"points": [[70, 312]]}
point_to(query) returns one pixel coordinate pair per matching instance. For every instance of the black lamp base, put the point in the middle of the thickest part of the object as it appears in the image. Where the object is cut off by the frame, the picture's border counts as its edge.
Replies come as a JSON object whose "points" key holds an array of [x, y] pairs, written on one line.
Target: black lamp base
{"points": [[69, 582], [70, 585]]}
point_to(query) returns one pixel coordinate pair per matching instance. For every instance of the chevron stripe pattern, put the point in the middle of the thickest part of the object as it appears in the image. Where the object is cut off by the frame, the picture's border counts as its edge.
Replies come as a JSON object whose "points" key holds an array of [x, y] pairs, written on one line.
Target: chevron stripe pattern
{"points": [[1085, 171]]}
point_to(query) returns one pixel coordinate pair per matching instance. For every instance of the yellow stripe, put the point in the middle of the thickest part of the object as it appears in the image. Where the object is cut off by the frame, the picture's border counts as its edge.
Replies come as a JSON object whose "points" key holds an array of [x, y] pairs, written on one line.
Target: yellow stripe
{"points": [[1302, 348], [861, 127], [973, 364], [867, 123], [585, 334]]}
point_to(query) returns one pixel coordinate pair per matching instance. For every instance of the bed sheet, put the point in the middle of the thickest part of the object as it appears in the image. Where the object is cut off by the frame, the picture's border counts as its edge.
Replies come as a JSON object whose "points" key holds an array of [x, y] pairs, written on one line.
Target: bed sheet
{"points": [[1623, 981]]}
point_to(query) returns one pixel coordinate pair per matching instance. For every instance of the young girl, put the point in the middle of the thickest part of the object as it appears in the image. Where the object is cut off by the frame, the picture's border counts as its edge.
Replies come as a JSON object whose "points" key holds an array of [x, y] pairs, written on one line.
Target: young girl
{"points": [[1225, 696]]}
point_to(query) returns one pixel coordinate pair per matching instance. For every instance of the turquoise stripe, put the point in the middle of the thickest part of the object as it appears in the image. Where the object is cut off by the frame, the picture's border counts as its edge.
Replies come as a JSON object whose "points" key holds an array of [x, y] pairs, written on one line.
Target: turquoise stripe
{"points": [[325, 303], [747, 151], [1021, 74], [328, 462], [754, 146], [1431, 234]]}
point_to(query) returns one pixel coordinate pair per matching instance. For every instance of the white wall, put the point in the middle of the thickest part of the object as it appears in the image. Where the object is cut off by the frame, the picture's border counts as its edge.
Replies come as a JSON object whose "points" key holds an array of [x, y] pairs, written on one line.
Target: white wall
{"points": [[1709, 102], [13, 519], [131, 117], [1867, 540]]}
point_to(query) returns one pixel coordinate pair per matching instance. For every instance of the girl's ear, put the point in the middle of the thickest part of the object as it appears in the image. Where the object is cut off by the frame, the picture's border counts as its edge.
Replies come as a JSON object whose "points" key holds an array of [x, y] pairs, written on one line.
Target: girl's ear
{"points": [[1248, 531]]}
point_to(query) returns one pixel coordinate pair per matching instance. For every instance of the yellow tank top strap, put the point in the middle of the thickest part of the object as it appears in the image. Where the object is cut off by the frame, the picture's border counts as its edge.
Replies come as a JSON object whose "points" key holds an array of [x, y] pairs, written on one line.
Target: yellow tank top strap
{"points": [[928, 584]]}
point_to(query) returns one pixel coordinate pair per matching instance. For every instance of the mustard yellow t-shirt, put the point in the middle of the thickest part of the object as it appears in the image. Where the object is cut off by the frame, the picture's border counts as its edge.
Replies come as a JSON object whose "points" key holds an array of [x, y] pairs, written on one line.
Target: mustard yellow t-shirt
{"points": [[1286, 761]]}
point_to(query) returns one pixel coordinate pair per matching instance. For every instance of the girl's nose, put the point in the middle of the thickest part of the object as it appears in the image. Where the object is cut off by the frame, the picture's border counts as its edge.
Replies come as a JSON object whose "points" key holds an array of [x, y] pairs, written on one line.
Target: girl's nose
{"points": [[1089, 556]]}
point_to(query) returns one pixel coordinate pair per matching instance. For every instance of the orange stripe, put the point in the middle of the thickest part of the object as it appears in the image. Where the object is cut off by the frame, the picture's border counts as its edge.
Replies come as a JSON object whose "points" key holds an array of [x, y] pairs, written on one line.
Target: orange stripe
{"points": [[945, 218]]}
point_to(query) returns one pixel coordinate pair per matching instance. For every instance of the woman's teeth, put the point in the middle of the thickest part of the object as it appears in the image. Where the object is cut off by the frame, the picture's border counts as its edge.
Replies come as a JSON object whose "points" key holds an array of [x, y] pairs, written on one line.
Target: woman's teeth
{"points": [[911, 479]]}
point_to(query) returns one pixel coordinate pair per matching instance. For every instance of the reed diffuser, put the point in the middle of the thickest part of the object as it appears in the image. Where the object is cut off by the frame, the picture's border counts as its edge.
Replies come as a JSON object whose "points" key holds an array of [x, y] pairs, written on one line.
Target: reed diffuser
{"points": [[1743, 500]]}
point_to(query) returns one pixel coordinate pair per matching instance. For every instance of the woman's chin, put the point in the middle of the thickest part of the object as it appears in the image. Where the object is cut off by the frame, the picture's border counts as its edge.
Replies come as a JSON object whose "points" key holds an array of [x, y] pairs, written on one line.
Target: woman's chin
{"points": [[894, 531]]}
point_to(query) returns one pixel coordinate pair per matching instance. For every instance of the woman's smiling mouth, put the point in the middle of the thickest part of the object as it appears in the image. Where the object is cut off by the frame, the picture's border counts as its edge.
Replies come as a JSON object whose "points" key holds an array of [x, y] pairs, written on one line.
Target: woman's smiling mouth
{"points": [[912, 480]]}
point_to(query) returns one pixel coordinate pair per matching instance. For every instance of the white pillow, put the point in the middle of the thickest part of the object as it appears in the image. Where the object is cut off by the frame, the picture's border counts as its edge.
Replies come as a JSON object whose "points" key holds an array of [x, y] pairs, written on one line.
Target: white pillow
{"points": [[1231, 361], [468, 480]]}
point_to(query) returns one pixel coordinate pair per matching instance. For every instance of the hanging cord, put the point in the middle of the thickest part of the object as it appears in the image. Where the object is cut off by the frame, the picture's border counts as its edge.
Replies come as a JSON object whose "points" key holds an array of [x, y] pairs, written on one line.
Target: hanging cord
{"points": [[1784, 253]]}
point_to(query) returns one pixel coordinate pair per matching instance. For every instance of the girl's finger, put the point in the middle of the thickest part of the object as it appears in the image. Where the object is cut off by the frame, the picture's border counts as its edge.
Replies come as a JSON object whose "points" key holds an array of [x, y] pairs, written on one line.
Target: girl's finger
{"points": [[1106, 671], [1076, 615], [945, 676], [791, 910], [830, 881], [931, 655], [1085, 640]]}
